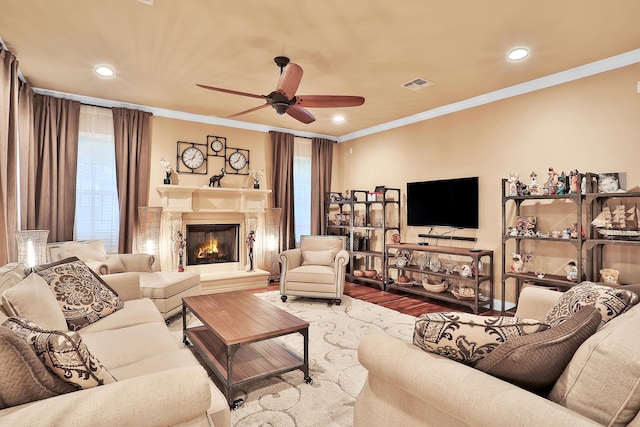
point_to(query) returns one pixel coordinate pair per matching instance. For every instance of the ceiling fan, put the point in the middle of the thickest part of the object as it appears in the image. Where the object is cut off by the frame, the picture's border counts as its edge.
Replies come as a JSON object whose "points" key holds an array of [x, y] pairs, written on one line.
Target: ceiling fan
{"points": [[284, 99]]}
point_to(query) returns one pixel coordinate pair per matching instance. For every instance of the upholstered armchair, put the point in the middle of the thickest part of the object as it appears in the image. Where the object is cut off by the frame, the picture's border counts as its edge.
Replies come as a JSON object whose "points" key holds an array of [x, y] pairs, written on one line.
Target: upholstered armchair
{"points": [[316, 269]]}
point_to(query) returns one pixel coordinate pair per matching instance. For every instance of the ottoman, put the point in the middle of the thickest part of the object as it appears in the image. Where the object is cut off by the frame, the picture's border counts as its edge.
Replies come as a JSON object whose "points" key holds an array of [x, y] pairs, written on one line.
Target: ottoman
{"points": [[166, 289]]}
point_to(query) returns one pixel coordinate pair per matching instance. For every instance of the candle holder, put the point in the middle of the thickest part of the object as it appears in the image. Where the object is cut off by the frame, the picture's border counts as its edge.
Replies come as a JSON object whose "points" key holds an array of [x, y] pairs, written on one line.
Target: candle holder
{"points": [[32, 247]]}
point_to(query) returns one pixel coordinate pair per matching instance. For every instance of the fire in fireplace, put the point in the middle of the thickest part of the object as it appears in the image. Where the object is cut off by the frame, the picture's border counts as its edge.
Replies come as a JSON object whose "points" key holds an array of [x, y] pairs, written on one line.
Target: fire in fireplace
{"points": [[212, 243]]}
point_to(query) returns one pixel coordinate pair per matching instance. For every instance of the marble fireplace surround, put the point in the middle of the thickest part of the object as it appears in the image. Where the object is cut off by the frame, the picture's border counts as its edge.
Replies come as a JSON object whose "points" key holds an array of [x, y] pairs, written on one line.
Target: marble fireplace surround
{"points": [[182, 205]]}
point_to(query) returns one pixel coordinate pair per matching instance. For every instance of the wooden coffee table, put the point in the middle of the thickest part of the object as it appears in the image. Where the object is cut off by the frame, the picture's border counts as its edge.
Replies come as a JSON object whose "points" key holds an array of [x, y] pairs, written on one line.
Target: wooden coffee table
{"points": [[236, 339]]}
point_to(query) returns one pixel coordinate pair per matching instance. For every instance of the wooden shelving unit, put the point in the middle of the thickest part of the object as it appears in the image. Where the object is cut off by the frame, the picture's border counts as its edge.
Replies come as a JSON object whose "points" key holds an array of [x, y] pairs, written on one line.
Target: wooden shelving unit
{"points": [[380, 219], [462, 255]]}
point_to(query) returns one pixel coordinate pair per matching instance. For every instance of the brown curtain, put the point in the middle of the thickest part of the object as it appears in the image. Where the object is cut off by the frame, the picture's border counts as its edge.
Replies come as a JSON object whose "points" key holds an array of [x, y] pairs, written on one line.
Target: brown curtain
{"points": [[282, 184], [27, 146], [9, 87], [132, 142], [321, 162], [53, 167]]}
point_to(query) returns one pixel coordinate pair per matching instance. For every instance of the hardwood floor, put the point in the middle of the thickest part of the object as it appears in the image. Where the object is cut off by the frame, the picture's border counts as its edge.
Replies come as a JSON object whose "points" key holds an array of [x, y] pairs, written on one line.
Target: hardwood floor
{"points": [[404, 303]]}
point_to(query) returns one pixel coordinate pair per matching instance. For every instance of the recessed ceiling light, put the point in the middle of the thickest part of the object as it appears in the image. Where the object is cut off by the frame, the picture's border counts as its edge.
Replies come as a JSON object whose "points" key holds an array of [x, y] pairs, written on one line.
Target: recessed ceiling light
{"points": [[338, 118], [518, 54], [104, 71]]}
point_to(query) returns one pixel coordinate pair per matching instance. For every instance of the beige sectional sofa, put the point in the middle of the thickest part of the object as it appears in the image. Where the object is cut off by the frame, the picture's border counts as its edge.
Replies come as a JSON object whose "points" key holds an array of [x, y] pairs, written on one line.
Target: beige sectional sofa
{"points": [[407, 386], [159, 382]]}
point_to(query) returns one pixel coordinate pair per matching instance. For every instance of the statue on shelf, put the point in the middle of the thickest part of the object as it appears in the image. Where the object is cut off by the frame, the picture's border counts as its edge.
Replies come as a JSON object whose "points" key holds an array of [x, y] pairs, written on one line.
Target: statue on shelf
{"points": [[216, 178], [181, 242], [534, 187], [251, 238]]}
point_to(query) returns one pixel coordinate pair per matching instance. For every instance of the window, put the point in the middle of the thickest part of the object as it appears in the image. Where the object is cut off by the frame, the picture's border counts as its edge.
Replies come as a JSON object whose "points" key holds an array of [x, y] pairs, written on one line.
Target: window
{"points": [[302, 187], [97, 213]]}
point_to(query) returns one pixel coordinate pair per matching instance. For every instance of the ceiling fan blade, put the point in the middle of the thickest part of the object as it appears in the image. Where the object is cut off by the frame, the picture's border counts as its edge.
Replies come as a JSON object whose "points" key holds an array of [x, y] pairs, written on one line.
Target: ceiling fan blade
{"points": [[328, 101], [289, 80], [250, 110], [233, 92], [300, 114]]}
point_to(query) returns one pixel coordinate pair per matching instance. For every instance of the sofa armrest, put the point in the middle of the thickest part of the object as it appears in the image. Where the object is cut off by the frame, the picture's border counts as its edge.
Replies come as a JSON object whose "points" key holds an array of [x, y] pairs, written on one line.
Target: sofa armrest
{"points": [[98, 266], [127, 285], [290, 259], [340, 262], [137, 262], [148, 400], [403, 377], [535, 302]]}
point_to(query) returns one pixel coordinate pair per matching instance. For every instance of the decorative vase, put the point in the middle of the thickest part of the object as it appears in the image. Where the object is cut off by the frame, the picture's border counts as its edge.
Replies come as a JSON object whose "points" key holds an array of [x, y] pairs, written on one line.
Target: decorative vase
{"points": [[167, 180], [256, 185]]}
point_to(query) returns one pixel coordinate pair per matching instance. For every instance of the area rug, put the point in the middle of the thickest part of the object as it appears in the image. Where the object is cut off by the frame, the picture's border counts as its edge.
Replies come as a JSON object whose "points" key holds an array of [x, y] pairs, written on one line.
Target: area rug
{"points": [[334, 334]]}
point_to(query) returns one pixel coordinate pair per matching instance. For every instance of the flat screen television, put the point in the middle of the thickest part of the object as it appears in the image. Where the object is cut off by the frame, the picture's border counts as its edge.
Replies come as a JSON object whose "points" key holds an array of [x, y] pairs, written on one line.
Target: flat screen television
{"points": [[445, 202]]}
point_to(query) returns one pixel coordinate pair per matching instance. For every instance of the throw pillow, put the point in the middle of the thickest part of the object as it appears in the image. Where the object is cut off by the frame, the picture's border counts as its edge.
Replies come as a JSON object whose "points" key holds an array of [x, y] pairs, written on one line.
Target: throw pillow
{"points": [[92, 250], [536, 361], [318, 257], [63, 352], [467, 338], [83, 296], [33, 300], [611, 302], [23, 377]]}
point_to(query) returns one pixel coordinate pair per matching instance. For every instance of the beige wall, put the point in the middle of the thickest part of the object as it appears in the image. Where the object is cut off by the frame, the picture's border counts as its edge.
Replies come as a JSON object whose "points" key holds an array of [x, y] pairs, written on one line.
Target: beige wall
{"points": [[165, 134], [591, 125]]}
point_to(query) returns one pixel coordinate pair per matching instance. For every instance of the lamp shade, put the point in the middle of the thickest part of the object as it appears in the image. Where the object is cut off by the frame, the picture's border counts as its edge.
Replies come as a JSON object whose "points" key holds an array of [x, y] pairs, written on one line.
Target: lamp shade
{"points": [[32, 246]]}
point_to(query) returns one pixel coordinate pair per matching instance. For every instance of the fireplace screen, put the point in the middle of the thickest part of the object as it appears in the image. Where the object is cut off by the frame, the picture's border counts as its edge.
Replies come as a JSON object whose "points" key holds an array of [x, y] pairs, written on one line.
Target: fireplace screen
{"points": [[212, 243]]}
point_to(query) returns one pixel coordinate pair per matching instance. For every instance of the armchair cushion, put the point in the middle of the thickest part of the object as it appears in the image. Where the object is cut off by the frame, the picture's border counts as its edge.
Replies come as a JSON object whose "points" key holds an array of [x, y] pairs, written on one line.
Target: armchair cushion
{"points": [[318, 257], [92, 250], [536, 361], [33, 300], [63, 352], [83, 297]]}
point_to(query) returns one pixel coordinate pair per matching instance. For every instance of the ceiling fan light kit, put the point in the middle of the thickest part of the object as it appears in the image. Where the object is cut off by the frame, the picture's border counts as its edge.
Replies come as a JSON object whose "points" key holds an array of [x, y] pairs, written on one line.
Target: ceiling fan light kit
{"points": [[284, 99]]}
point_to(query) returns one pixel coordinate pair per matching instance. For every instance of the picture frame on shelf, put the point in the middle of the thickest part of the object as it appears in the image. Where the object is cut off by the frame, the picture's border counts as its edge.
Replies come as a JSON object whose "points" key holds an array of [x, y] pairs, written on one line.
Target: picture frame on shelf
{"points": [[612, 182]]}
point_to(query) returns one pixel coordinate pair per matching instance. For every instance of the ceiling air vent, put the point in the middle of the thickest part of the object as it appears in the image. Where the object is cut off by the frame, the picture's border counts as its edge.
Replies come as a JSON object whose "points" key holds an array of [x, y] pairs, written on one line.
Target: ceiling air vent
{"points": [[417, 84]]}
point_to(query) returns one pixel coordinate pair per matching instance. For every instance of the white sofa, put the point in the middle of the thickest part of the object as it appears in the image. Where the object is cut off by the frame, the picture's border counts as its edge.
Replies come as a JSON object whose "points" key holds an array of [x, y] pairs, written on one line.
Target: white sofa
{"points": [[159, 382], [407, 386]]}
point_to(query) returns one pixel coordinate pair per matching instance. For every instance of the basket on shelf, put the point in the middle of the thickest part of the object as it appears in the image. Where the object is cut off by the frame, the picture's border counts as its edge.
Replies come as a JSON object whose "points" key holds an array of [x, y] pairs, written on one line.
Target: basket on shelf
{"points": [[464, 292], [434, 287]]}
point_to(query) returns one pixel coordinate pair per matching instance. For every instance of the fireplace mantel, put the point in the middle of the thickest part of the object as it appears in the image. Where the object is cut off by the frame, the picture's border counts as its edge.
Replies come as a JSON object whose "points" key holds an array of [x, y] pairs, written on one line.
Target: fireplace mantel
{"points": [[185, 198], [184, 204]]}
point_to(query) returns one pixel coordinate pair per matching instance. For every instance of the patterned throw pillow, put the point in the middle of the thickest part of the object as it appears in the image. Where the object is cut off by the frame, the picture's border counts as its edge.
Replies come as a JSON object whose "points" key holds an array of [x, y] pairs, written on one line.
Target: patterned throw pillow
{"points": [[83, 296], [610, 301], [467, 338], [63, 353], [23, 377], [536, 361]]}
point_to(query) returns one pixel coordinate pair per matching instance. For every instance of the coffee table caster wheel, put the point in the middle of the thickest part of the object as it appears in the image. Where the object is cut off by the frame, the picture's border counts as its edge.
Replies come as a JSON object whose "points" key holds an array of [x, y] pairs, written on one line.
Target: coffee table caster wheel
{"points": [[186, 342], [283, 298], [236, 404], [308, 380]]}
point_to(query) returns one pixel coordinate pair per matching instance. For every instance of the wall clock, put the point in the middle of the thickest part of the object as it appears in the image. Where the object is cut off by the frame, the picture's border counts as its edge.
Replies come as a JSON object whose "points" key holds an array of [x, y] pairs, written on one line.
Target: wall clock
{"points": [[191, 158], [216, 145], [238, 161]]}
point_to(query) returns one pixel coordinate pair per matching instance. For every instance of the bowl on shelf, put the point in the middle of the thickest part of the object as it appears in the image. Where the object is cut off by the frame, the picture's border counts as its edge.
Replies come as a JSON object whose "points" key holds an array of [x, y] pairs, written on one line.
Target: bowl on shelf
{"points": [[370, 273], [434, 287], [358, 273]]}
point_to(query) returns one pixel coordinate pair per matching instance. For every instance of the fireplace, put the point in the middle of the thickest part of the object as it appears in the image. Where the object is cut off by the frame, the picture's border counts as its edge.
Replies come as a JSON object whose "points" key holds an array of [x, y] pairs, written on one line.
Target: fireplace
{"points": [[212, 243]]}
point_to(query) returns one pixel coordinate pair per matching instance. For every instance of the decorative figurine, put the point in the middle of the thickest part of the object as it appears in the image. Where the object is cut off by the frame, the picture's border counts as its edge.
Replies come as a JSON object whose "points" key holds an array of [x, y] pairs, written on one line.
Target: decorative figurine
{"points": [[517, 264], [534, 187], [572, 271], [181, 242], [609, 276], [251, 238], [216, 178], [257, 175], [513, 184], [574, 182], [552, 181]]}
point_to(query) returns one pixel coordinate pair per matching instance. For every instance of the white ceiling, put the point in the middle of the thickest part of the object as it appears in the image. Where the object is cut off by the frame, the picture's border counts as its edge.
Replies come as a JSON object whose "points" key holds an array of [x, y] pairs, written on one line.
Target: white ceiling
{"points": [[356, 47]]}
